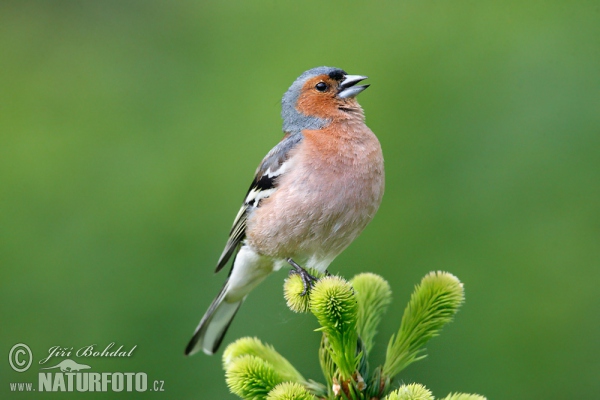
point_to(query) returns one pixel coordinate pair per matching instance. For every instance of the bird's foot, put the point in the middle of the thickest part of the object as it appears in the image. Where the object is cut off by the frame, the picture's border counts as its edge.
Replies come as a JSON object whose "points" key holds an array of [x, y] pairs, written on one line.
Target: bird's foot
{"points": [[307, 279]]}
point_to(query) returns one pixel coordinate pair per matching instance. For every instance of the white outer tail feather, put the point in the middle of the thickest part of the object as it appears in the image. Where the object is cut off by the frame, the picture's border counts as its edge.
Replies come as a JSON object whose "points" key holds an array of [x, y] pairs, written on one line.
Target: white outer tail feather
{"points": [[249, 269], [213, 326]]}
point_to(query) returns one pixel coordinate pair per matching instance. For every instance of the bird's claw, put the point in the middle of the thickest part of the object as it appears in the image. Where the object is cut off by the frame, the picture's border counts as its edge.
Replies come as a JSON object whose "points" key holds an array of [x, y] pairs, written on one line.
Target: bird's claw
{"points": [[307, 279]]}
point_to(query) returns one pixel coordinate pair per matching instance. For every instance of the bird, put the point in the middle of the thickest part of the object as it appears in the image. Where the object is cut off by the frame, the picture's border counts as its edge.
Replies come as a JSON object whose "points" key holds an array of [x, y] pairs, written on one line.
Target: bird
{"points": [[311, 195]]}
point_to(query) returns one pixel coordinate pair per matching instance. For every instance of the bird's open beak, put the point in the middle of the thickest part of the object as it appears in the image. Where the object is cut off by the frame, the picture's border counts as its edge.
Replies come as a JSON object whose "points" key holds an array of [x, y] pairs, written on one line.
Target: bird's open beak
{"points": [[348, 88]]}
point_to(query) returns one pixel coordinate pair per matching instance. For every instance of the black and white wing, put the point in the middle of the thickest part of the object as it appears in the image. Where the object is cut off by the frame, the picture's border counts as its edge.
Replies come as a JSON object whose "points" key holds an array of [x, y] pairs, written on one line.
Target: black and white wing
{"points": [[264, 185]]}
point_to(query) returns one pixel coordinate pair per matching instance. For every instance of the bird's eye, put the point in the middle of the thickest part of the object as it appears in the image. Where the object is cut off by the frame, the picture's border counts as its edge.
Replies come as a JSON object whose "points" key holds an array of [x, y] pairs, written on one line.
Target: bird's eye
{"points": [[321, 86]]}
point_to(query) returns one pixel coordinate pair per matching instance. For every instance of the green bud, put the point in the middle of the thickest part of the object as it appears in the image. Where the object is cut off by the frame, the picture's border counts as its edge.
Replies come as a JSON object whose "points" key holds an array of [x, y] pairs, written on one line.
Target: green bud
{"points": [[250, 377], [463, 396], [432, 305], [292, 291], [254, 347], [414, 391], [373, 295], [333, 303], [290, 391]]}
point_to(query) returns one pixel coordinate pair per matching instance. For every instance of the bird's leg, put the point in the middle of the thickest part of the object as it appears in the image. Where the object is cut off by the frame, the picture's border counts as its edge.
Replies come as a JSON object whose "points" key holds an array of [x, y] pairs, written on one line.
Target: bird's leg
{"points": [[307, 279]]}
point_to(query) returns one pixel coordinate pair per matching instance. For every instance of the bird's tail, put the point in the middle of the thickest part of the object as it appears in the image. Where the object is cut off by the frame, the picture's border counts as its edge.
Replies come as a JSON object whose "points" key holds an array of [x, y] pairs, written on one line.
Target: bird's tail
{"points": [[214, 325]]}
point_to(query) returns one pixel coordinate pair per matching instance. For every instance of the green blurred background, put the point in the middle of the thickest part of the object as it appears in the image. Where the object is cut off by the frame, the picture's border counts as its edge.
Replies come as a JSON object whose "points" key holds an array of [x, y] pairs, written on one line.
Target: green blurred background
{"points": [[130, 130]]}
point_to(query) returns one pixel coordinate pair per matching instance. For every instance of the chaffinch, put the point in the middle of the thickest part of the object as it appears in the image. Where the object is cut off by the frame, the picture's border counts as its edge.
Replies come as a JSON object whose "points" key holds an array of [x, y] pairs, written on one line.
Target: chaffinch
{"points": [[312, 195]]}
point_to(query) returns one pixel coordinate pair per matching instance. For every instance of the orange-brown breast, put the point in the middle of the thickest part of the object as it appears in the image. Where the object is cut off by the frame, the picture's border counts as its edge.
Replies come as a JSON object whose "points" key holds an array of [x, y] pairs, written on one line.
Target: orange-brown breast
{"points": [[327, 198]]}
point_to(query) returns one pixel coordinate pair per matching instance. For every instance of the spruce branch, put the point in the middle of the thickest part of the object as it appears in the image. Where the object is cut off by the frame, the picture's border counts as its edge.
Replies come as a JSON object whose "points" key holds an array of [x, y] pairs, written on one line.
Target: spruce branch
{"points": [[328, 367], [349, 314]]}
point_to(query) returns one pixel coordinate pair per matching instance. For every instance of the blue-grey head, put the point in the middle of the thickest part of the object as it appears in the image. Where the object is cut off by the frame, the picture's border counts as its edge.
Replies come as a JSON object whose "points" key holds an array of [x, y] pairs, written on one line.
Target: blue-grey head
{"points": [[319, 96]]}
